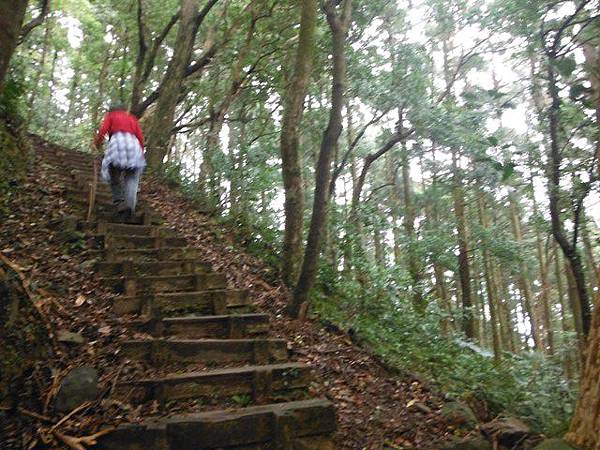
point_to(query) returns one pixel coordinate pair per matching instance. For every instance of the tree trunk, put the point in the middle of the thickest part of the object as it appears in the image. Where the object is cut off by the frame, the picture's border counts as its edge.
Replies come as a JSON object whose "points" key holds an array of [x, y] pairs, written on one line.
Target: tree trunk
{"points": [[492, 294], [589, 253], [101, 87], [394, 204], [161, 122], [569, 248], [414, 265], [291, 159], [39, 73], [49, 100], [12, 13], [458, 195], [565, 325], [505, 312], [339, 24], [545, 287], [575, 304], [378, 244], [523, 278], [584, 431], [592, 62]]}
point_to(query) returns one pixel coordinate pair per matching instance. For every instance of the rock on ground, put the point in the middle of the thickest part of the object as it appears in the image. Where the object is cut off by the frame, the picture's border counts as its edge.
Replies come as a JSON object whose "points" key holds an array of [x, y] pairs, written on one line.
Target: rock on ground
{"points": [[79, 386]]}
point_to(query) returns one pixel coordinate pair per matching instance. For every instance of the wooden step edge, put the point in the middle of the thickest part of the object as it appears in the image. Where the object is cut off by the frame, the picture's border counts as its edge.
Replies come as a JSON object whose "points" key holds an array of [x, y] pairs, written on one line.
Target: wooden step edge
{"points": [[218, 301], [232, 326], [152, 268], [264, 383], [209, 351], [279, 426]]}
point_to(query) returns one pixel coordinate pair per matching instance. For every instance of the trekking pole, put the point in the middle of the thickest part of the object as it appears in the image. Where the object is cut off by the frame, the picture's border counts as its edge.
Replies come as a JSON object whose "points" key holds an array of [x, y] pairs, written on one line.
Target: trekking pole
{"points": [[93, 187]]}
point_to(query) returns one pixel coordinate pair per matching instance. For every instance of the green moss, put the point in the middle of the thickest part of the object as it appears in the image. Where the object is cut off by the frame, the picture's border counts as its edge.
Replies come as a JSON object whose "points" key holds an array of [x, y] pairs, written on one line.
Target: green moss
{"points": [[13, 162], [554, 444]]}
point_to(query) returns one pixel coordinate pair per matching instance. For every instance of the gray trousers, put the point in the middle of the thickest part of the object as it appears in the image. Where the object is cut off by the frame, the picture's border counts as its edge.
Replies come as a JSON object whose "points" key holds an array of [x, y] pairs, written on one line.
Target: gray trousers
{"points": [[124, 187]]}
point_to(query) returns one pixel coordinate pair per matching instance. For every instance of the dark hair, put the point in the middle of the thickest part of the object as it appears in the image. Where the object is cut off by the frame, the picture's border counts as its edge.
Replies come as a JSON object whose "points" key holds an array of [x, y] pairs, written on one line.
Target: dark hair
{"points": [[117, 106]]}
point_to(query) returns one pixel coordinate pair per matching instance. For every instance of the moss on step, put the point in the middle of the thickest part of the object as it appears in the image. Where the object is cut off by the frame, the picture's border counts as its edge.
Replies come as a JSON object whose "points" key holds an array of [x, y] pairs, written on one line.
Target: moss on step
{"points": [[554, 444]]}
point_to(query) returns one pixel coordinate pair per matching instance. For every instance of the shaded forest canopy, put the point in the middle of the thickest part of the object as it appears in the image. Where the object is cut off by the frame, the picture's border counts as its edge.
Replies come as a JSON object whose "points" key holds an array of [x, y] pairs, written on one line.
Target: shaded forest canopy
{"points": [[422, 173]]}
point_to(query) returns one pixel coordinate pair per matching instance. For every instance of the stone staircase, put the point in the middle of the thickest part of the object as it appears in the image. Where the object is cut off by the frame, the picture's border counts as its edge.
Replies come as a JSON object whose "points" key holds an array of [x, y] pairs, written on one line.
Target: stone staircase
{"points": [[189, 316]]}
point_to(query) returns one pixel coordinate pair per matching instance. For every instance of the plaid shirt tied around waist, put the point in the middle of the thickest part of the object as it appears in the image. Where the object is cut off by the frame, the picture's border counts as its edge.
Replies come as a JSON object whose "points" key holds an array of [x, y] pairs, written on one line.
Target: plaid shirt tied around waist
{"points": [[125, 152]]}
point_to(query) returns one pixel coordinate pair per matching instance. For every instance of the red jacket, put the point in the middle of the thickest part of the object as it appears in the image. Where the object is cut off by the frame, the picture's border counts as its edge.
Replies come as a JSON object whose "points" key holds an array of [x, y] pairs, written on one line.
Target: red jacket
{"points": [[116, 121]]}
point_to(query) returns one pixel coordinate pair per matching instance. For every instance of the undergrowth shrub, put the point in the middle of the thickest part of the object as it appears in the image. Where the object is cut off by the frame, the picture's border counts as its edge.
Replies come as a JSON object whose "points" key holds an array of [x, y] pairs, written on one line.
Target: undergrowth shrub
{"points": [[14, 152], [375, 304], [530, 385]]}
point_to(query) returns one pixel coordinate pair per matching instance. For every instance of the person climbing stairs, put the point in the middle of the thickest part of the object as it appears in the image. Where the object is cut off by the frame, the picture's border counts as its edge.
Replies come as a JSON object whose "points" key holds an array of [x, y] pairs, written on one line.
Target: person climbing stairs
{"points": [[200, 341]]}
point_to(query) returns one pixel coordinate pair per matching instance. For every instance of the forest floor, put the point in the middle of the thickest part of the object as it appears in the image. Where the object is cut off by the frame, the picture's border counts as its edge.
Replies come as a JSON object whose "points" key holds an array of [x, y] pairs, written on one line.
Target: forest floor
{"points": [[376, 408]]}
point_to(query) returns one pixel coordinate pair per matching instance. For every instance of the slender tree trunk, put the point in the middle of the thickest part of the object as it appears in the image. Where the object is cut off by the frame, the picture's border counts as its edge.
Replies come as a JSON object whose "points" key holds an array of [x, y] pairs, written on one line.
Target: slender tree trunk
{"points": [[12, 13], [414, 265], [589, 253], [507, 314], [524, 282], [592, 62], [49, 100], [394, 204], [378, 244], [39, 73], [492, 295], [160, 123], [565, 325], [339, 24], [291, 158], [478, 315], [569, 249], [458, 195], [101, 87], [544, 289], [575, 306], [72, 114]]}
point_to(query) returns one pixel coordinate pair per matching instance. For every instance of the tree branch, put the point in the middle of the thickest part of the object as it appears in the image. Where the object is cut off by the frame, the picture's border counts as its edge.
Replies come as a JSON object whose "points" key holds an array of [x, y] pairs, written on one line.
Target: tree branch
{"points": [[36, 21]]}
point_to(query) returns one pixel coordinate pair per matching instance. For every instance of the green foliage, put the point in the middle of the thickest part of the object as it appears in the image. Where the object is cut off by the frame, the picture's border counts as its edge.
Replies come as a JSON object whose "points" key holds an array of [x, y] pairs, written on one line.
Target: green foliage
{"points": [[527, 385], [14, 158]]}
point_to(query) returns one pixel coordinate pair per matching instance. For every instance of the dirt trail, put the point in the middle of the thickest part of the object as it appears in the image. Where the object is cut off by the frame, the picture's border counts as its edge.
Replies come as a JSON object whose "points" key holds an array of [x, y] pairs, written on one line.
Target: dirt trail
{"points": [[374, 408]]}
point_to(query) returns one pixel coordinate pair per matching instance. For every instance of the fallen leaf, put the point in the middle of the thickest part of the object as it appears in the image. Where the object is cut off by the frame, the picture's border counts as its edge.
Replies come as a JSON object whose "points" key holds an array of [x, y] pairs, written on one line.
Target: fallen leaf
{"points": [[80, 300]]}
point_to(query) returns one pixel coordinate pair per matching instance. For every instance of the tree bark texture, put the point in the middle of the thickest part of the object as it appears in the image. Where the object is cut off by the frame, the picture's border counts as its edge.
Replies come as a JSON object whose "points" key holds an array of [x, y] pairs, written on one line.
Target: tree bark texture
{"points": [[339, 24], [584, 431], [568, 247], [159, 129], [458, 195], [12, 13], [291, 160]]}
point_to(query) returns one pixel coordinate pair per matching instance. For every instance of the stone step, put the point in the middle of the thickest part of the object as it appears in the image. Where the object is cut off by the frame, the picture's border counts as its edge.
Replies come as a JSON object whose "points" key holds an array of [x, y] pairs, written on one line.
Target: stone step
{"points": [[124, 229], [234, 326], [101, 195], [69, 160], [103, 203], [123, 241], [272, 382], [214, 302], [148, 254], [207, 351], [132, 286], [104, 210], [298, 425], [132, 268], [82, 181]]}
